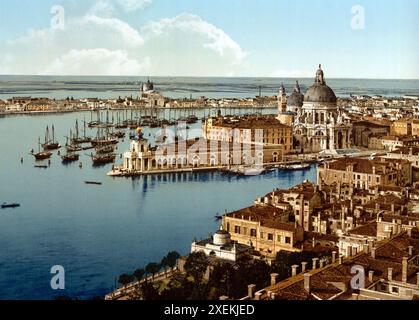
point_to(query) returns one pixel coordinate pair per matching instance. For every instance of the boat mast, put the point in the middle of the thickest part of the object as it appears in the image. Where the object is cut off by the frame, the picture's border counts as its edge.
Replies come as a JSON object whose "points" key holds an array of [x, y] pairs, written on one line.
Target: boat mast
{"points": [[77, 129], [47, 136], [84, 128]]}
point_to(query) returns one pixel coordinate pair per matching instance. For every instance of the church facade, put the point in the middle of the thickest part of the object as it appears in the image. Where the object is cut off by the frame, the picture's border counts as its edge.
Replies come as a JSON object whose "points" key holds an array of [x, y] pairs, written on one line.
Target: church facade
{"points": [[319, 125]]}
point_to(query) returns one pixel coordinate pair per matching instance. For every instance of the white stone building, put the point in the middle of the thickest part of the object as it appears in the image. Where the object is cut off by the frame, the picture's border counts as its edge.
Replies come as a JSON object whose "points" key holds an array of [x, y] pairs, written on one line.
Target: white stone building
{"points": [[321, 125]]}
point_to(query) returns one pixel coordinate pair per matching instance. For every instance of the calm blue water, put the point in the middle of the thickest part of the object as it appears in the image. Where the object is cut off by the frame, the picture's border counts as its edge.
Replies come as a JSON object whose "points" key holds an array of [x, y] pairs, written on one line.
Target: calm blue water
{"points": [[99, 232], [112, 87]]}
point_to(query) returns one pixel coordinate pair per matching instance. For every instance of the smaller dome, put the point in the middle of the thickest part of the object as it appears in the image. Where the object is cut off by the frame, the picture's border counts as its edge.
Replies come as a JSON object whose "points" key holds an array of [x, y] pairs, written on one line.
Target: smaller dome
{"points": [[148, 86], [296, 99], [222, 238]]}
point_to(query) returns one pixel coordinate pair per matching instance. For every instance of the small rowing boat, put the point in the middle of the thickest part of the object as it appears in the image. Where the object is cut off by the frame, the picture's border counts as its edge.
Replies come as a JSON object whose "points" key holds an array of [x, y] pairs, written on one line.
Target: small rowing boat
{"points": [[93, 182], [11, 205]]}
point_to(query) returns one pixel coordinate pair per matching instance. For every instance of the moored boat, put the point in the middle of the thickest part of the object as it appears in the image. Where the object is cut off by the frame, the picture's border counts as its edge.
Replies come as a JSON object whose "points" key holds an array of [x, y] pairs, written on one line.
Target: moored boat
{"points": [[50, 144], [295, 166], [41, 155], [70, 157]]}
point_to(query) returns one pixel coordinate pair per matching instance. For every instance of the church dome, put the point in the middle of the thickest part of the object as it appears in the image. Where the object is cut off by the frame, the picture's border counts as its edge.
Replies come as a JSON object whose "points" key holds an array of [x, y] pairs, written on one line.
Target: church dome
{"points": [[320, 92], [221, 238], [296, 99]]}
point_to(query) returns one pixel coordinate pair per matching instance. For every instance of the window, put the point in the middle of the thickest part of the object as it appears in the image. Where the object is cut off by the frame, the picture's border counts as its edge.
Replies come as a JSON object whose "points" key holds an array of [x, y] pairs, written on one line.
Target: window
{"points": [[279, 238], [245, 231], [288, 240], [270, 237], [395, 290], [253, 233], [261, 235], [237, 229], [228, 226]]}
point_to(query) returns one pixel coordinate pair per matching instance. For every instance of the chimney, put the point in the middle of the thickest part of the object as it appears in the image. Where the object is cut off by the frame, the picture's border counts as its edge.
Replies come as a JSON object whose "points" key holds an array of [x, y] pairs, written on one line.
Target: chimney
{"points": [[340, 259], [251, 291], [349, 251], [334, 256], [409, 231], [404, 269], [307, 282], [315, 263], [371, 276], [223, 298], [410, 251], [392, 207], [367, 248], [258, 295], [373, 252], [294, 270], [303, 266], [390, 274], [321, 263], [274, 278]]}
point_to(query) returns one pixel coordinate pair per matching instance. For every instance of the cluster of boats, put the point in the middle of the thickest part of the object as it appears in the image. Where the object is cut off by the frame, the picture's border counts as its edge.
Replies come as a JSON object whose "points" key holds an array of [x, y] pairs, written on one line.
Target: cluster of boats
{"points": [[104, 144], [109, 132]]}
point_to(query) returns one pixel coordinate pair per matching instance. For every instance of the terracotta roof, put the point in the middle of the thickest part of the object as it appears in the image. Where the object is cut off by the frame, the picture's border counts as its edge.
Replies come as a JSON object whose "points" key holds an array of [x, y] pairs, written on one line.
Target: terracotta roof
{"points": [[268, 216], [366, 165], [369, 230], [335, 279]]}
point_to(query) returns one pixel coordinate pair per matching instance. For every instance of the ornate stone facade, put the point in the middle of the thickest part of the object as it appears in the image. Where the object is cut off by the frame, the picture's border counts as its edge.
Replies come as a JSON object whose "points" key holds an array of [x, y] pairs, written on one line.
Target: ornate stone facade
{"points": [[320, 125]]}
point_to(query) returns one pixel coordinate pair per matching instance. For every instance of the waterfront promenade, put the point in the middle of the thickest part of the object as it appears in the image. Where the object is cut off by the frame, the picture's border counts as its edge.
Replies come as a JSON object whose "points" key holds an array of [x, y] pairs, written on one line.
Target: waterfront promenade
{"points": [[124, 292]]}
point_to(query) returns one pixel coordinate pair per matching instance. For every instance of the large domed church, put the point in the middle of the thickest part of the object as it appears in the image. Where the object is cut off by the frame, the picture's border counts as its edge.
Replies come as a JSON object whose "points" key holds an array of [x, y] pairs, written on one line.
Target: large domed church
{"points": [[318, 123]]}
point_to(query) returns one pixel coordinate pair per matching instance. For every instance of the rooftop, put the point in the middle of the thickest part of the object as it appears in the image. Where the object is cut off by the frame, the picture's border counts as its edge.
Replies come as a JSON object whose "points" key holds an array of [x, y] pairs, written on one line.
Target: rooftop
{"points": [[267, 216]]}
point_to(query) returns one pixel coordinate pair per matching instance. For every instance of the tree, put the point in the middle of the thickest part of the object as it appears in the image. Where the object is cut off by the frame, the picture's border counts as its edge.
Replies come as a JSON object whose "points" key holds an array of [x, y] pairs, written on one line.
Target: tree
{"points": [[125, 279], [164, 263], [139, 274], [148, 292], [152, 268], [172, 258], [196, 264]]}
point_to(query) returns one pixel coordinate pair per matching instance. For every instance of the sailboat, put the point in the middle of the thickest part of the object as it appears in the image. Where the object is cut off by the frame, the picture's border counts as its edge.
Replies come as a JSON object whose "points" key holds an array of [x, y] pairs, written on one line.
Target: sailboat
{"points": [[70, 157], [101, 159], [77, 139], [103, 140], [72, 147], [41, 155], [50, 144], [121, 125]]}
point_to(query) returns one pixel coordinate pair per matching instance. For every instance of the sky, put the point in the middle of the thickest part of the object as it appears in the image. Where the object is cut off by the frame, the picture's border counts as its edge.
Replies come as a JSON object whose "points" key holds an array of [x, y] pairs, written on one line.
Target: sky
{"points": [[237, 38]]}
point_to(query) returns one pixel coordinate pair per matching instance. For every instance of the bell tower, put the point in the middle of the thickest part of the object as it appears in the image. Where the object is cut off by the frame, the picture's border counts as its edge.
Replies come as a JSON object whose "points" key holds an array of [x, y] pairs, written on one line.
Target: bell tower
{"points": [[282, 99]]}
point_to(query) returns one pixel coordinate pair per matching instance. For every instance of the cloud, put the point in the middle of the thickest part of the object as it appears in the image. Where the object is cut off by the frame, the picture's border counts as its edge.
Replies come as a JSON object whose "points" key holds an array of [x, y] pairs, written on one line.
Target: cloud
{"points": [[134, 5], [214, 38], [185, 45], [103, 8], [96, 61], [129, 35]]}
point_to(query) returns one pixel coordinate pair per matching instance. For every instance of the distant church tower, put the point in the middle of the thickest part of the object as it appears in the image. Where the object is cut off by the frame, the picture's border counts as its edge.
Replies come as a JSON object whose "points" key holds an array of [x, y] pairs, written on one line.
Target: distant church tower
{"points": [[282, 99]]}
